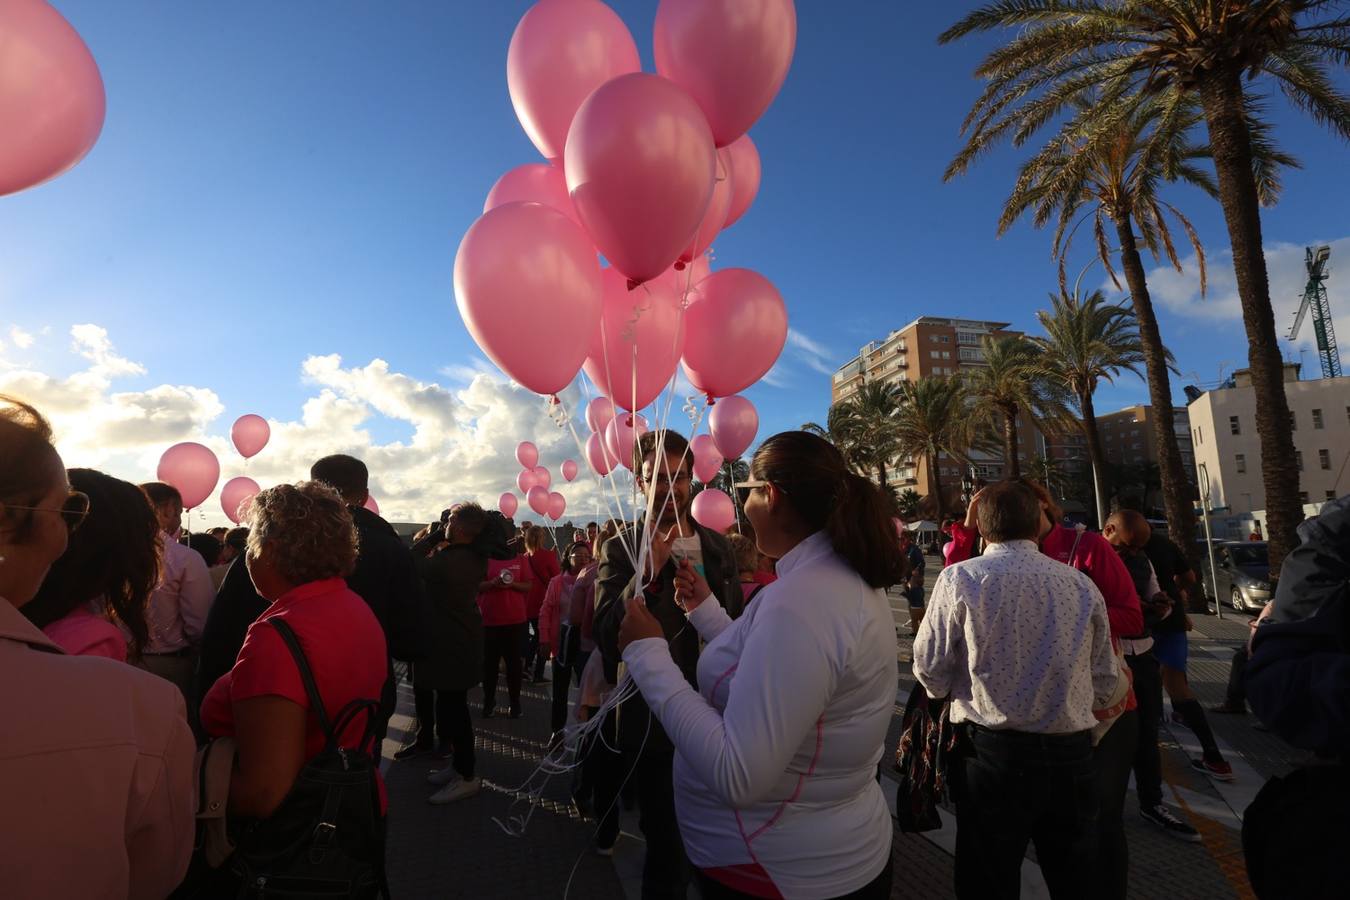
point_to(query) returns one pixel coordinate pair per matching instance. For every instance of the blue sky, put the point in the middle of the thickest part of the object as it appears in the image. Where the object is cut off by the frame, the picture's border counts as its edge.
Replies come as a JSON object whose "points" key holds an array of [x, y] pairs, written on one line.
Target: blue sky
{"points": [[277, 181]]}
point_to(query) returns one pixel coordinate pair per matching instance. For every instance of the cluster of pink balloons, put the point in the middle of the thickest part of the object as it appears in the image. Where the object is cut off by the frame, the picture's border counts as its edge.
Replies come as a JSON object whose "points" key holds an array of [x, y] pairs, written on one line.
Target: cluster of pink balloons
{"points": [[194, 470], [646, 169], [533, 482]]}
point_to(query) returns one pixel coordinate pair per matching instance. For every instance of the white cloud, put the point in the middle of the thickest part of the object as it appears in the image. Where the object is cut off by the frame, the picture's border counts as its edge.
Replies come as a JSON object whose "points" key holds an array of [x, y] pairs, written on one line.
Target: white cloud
{"points": [[21, 339]]}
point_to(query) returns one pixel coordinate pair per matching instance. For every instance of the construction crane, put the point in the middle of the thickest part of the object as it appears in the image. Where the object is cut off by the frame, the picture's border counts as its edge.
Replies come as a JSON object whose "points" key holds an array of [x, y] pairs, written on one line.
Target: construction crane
{"points": [[1315, 301]]}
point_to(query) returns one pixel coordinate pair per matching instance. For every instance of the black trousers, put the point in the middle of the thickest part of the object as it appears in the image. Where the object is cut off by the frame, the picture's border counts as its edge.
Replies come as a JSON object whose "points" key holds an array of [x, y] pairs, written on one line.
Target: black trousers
{"points": [[665, 870], [567, 667], [529, 649], [1013, 788], [602, 774], [1147, 759], [446, 715], [1113, 758], [878, 888], [1237, 687], [502, 642]]}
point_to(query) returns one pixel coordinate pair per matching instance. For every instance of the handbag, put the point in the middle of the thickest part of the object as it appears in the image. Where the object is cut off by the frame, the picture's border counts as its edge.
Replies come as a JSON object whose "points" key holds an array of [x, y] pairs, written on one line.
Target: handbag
{"points": [[922, 757], [1114, 707]]}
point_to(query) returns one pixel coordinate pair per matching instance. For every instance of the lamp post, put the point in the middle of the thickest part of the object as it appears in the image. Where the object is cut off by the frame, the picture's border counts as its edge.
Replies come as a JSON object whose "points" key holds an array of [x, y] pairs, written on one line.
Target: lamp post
{"points": [[1202, 475]]}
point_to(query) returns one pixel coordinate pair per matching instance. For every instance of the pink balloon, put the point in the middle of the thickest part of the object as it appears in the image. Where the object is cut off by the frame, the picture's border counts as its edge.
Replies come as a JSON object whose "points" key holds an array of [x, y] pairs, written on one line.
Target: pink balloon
{"points": [[561, 51], [371, 505], [538, 499], [620, 436], [528, 287], [713, 510], [250, 434], [533, 183], [684, 282], [640, 166], [527, 454], [641, 334], [191, 468], [508, 504], [730, 55], [569, 469], [716, 215], [745, 171], [598, 455], [733, 423], [52, 101], [598, 413], [235, 494], [557, 505], [542, 477], [525, 480], [707, 458], [734, 331]]}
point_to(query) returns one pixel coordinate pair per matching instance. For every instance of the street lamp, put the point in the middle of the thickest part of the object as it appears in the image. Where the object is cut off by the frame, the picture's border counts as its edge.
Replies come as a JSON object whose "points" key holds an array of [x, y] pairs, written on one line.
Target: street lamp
{"points": [[1202, 475]]}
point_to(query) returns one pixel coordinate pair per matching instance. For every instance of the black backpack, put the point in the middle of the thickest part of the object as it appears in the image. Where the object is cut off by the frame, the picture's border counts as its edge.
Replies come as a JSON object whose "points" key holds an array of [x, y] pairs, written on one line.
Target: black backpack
{"points": [[327, 837], [495, 537]]}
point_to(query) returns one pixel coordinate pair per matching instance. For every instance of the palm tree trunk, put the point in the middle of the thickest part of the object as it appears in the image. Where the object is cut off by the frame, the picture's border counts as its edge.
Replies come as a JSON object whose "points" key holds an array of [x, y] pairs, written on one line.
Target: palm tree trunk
{"points": [[1176, 486], [1095, 455], [939, 504], [1012, 468], [881, 476], [1221, 95]]}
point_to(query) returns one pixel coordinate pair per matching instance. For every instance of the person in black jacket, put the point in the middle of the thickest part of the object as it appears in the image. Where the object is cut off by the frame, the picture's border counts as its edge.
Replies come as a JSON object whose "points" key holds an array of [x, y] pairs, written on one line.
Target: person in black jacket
{"points": [[661, 461], [237, 606]]}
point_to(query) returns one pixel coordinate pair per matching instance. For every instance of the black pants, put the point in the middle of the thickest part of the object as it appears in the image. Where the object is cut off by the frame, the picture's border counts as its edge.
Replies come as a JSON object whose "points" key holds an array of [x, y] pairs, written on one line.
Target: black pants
{"points": [[1113, 758], [602, 773], [1147, 759], [446, 715], [501, 642], [878, 888], [665, 870], [567, 666], [1013, 788], [1237, 687], [529, 649]]}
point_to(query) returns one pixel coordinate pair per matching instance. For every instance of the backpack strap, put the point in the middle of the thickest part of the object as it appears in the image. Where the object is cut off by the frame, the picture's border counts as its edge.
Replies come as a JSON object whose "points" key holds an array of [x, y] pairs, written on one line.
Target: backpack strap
{"points": [[307, 676]]}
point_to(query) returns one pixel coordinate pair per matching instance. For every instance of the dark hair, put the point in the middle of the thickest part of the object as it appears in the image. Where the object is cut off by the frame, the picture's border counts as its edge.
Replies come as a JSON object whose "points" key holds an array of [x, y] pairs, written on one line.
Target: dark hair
{"points": [[826, 494], [207, 545], [471, 517], [113, 557], [572, 548], [237, 538], [1009, 511], [161, 493], [27, 461], [671, 443], [1052, 509], [747, 555], [345, 474]]}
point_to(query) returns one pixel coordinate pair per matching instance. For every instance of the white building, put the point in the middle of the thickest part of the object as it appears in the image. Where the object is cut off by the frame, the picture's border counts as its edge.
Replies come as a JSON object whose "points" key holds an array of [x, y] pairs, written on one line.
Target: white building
{"points": [[1223, 433]]}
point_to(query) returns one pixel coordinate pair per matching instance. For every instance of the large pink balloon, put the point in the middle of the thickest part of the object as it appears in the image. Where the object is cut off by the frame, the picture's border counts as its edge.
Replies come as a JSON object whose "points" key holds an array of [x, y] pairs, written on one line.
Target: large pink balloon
{"points": [[191, 468], [713, 510], [528, 287], [533, 183], [569, 469], [734, 331], [598, 455], [640, 166], [525, 480], [707, 458], [527, 454], [557, 505], [730, 55], [684, 282], [52, 101], [640, 336], [715, 218], [733, 423], [250, 434], [598, 413], [371, 505], [542, 477], [620, 436], [561, 51], [508, 504], [745, 171], [236, 493], [538, 499]]}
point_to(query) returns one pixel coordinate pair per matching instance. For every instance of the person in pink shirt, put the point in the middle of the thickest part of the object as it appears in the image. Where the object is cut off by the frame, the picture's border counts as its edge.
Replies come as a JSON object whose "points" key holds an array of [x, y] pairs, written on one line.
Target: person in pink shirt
{"points": [[543, 568], [501, 599], [560, 627]]}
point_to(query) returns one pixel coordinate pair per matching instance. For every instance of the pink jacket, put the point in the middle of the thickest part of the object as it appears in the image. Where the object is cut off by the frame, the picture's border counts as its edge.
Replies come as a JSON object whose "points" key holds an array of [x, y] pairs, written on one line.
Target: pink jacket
{"points": [[83, 633], [581, 612]]}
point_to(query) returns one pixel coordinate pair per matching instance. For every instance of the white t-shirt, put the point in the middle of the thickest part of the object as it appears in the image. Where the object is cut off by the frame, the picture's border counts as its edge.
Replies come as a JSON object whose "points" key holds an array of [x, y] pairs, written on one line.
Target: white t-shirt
{"points": [[690, 548]]}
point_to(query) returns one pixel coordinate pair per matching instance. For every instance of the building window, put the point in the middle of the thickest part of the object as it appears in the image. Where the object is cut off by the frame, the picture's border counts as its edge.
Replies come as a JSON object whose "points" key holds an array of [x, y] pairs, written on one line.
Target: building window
{"points": [[966, 337], [946, 354], [933, 338], [1241, 464], [946, 338], [1200, 430], [1317, 419], [1324, 458], [1298, 459], [1234, 425], [935, 354], [969, 353]]}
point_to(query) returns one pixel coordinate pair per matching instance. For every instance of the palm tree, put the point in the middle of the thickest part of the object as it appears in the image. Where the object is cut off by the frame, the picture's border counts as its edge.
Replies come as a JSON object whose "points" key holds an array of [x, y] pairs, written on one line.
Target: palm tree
{"points": [[1010, 385], [863, 428], [935, 417], [1087, 341], [1126, 53]]}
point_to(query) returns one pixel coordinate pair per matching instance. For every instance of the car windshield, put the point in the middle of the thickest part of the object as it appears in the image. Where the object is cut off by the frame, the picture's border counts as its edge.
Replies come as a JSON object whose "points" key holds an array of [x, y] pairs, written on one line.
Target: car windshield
{"points": [[1249, 556]]}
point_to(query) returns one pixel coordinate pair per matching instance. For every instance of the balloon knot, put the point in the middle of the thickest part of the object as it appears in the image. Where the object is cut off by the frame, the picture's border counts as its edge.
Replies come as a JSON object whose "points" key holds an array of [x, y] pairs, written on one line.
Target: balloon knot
{"points": [[712, 401], [629, 420], [679, 265], [633, 283], [554, 401]]}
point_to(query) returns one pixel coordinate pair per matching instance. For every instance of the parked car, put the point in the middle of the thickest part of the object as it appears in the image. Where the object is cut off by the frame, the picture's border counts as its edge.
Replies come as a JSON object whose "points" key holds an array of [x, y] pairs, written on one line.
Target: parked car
{"points": [[1243, 574]]}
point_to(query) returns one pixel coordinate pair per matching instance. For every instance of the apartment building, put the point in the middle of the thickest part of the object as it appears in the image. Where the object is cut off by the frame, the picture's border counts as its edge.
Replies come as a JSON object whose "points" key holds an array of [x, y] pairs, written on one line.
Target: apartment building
{"points": [[1127, 437]]}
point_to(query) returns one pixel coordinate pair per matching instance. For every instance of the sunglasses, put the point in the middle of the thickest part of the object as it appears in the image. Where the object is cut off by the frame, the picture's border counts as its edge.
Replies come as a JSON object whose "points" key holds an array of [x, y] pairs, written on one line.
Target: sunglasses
{"points": [[73, 510]]}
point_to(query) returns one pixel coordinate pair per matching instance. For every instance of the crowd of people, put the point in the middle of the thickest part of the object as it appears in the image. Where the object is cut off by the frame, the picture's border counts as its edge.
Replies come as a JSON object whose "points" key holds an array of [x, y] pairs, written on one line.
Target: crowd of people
{"points": [[215, 705]]}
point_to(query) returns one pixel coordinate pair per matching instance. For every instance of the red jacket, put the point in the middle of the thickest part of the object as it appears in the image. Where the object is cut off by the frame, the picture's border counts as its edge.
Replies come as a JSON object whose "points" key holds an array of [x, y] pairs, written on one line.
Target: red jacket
{"points": [[541, 568]]}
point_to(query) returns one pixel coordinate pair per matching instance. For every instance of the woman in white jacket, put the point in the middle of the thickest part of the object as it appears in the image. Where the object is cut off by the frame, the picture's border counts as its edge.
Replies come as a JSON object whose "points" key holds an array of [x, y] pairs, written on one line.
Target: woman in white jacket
{"points": [[777, 751]]}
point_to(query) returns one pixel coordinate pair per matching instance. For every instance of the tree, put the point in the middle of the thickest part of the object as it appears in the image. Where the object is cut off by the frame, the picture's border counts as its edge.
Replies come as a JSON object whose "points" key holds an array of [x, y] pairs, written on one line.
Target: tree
{"points": [[863, 428], [935, 417], [1087, 341], [1011, 385], [908, 504], [1123, 54]]}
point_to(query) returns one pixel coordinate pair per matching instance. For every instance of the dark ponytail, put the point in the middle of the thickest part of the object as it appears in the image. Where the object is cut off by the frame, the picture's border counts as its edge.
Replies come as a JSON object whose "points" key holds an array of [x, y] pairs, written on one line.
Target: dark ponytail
{"points": [[828, 495]]}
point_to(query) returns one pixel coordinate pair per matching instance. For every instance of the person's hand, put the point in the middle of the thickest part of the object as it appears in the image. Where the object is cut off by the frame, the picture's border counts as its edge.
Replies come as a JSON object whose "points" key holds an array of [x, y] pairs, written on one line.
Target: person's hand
{"points": [[660, 552], [691, 588], [1259, 620], [973, 508], [638, 623], [1162, 605]]}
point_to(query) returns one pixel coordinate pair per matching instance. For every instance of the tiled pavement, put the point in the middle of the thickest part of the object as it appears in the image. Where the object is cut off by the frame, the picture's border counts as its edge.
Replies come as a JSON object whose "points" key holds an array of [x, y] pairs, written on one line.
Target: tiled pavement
{"points": [[460, 851]]}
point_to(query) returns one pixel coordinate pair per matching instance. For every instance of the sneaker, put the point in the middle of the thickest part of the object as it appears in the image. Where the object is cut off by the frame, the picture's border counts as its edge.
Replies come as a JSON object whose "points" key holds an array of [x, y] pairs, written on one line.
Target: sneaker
{"points": [[1219, 771], [442, 777], [458, 789], [602, 850], [413, 750], [1230, 709], [1164, 819]]}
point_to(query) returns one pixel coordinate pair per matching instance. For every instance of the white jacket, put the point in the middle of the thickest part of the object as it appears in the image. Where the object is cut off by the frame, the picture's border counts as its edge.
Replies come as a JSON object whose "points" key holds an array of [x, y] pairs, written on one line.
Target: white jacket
{"points": [[775, 772]]}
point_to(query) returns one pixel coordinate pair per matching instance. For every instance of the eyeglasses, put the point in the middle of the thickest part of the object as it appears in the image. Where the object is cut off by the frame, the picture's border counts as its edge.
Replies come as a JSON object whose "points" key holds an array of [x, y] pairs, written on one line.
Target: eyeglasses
{"points": [[73, 510], [751, 484], [664, 481]]}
